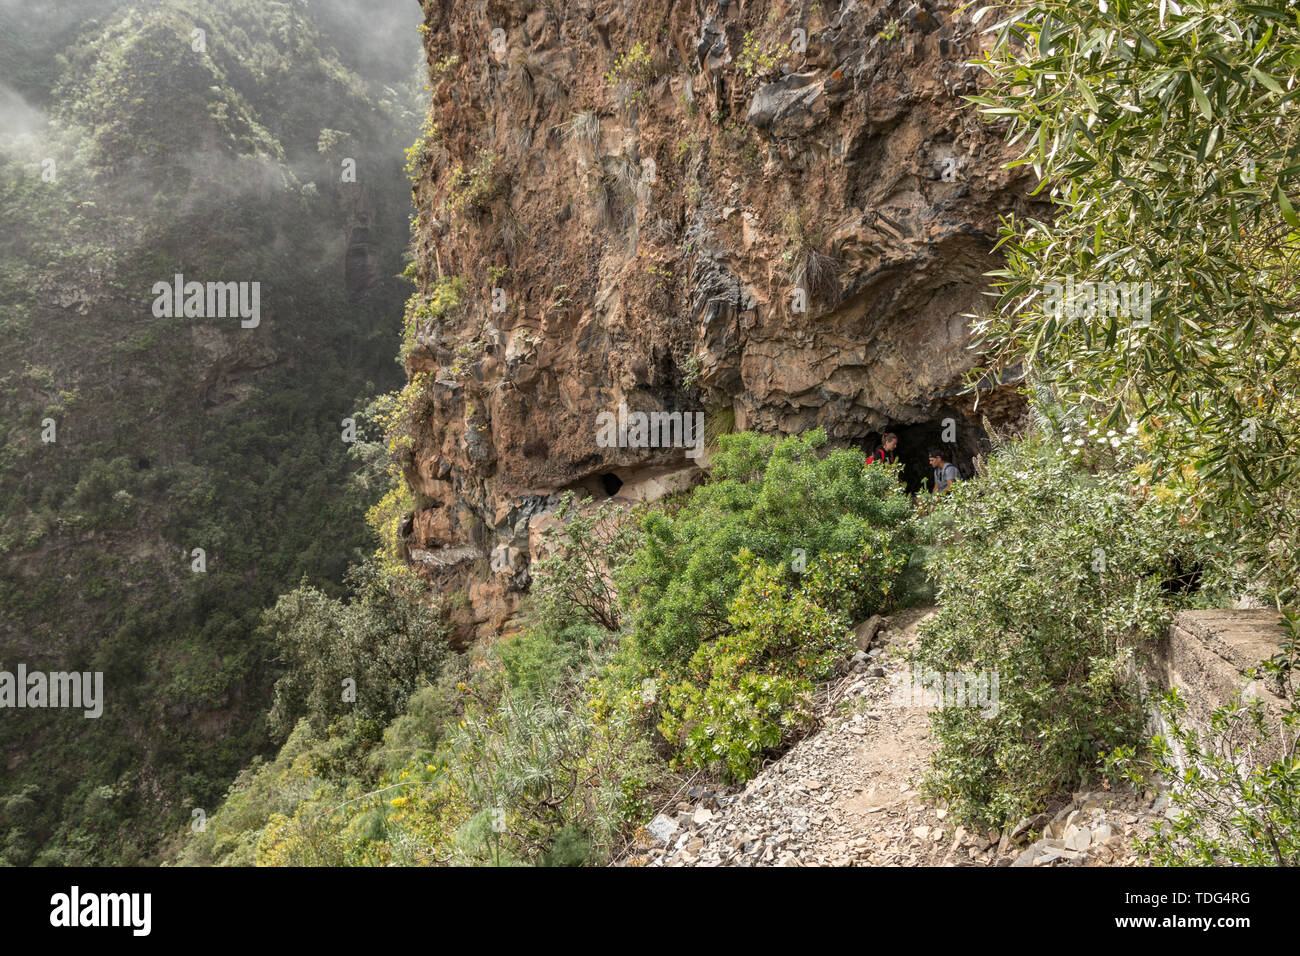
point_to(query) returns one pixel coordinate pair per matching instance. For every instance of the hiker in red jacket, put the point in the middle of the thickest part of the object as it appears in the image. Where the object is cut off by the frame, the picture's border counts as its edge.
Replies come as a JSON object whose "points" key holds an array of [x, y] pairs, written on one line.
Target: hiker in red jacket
{"points": [[886, 452]]}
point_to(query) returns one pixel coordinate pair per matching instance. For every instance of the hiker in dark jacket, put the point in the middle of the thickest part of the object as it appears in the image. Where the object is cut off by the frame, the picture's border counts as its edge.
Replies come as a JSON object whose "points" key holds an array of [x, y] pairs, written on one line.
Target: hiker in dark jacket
{"points": [[886, 452], [945, 473]]}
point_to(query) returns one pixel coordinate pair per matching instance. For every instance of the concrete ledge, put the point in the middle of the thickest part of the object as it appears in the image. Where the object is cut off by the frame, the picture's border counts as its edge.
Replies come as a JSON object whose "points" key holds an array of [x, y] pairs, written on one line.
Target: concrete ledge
{"points": [[1207, 656], [1240, 638]]}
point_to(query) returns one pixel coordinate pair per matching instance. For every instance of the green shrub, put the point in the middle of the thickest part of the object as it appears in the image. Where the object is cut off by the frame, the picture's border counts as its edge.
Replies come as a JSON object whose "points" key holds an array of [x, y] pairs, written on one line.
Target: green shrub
{"points": [[546, 781], [1052, 577], [856, 584], [418, 152], [750, 691], [374, 649], [780, 500], [263, 789], [740, 600], [551, 655], [1230, 810], [471, 189], [630, 74], [757, 60], [423, 310], [587, 547]]}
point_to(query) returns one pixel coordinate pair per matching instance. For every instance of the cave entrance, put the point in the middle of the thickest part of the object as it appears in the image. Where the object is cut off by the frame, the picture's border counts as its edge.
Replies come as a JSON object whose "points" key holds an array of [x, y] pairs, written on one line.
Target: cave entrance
{"points": [[915, 441], [611, 483]]}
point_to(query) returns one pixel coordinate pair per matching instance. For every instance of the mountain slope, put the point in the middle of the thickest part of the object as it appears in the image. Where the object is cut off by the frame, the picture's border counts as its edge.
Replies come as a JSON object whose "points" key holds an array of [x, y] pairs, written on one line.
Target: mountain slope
{"points": [[222, 162]]}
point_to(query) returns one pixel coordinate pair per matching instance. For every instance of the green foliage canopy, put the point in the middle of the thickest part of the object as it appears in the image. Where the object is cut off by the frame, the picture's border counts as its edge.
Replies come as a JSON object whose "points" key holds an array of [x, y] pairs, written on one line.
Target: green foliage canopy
{"points": [[1166, 136]]}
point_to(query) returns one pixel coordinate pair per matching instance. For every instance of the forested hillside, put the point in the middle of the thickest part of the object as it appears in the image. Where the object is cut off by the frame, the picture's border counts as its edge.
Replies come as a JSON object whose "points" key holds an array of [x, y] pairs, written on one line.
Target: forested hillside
{"points": [[227, 141]]}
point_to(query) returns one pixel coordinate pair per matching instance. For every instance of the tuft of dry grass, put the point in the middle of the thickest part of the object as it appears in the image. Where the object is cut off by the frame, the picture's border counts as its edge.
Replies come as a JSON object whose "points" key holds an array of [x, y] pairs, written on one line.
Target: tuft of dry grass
{"points": [[615, 191], [535, 82], [584, 132], [811, 267]]}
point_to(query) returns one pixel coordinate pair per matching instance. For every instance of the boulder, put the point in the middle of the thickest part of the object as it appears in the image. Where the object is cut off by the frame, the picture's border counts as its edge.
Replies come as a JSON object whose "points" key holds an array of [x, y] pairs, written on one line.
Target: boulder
{"points": [[793, 103], [1077, 838], [662, 828], [1037, 822], [864, 635]]}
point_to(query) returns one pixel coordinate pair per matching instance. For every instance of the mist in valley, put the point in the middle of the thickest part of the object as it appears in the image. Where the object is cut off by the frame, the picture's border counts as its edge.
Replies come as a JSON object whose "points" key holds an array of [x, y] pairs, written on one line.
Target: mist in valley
{"points": [[133, 149]]}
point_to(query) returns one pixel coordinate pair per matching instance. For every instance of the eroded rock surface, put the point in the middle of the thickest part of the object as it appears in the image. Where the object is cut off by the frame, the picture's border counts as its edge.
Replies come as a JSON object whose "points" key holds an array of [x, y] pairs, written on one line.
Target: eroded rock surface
{"points": [[777, 214]]}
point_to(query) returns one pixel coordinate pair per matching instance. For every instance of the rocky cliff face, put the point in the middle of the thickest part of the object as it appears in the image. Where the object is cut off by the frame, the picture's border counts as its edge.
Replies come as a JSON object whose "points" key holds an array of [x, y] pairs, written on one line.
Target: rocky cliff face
{"points": [[777, 214]]}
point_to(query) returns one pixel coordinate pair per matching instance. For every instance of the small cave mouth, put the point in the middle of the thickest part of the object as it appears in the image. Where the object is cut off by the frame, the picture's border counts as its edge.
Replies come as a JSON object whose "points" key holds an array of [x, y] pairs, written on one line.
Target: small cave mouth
{"points": [[917, 439], [611, 483], [1184, 577], [143, 464]]}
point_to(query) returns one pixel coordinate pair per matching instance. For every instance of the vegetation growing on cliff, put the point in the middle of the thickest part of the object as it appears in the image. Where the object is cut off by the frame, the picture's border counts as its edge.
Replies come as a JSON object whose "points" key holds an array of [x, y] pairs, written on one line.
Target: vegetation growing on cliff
{"points": [[424, 311], [688, 636], [471, 188], [630, 73], [757, 60]]}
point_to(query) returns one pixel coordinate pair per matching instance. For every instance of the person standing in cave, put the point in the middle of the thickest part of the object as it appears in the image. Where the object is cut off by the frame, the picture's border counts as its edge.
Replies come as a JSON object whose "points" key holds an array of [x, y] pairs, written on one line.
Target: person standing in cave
{"points": [[945, 473], [886, 452]]}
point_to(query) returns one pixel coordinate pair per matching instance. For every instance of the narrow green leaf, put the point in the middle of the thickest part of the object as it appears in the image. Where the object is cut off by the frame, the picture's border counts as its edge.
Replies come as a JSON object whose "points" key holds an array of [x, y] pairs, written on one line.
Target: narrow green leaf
{"points": [[1202, 101], [1288, 211]]}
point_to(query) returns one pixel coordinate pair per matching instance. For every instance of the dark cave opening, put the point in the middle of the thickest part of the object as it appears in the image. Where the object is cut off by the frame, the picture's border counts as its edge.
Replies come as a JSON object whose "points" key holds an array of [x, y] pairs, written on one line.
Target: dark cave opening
{"points": [[611, 483], [916, 439], [1184, 577]]}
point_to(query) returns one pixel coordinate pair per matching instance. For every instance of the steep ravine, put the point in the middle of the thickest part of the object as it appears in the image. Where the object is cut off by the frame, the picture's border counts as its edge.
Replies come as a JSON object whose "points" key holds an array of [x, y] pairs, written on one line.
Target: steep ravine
{"points": [[637, 195], [134, 437]]}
